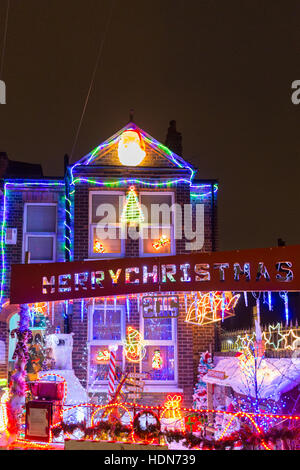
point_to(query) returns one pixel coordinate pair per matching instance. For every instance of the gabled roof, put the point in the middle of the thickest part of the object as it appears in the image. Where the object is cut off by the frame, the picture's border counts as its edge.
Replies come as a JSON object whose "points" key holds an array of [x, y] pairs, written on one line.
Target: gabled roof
{"points": [[95, 157]]}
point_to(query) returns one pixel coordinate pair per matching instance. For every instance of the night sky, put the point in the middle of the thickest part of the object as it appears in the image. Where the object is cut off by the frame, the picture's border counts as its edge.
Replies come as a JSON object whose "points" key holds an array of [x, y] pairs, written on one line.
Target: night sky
{"points": [[222, 69]]}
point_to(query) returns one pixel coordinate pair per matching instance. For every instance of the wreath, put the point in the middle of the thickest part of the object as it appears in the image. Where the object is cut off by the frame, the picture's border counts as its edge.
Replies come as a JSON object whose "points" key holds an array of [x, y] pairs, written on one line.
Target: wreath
{"points": [[148, 432]]}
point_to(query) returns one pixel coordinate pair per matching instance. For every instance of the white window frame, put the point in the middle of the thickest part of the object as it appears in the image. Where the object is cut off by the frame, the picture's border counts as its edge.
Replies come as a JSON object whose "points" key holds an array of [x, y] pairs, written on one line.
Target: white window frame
{"points": [[26, 234], [93, 255], [165, 342], [149, 226], [92, 342]]}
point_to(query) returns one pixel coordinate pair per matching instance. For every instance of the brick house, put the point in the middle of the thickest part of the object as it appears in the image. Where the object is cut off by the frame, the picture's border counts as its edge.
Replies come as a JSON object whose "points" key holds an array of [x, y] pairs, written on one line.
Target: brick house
{"points": [[58, 220]]}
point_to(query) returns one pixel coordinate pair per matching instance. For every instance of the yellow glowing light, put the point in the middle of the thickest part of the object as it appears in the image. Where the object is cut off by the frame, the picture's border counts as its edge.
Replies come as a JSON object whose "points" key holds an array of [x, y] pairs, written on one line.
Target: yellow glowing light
{"points": [[102, 356], [211, 307], [172, 405], [98, 247], [131, 149], [3, 412], [134, 346]]}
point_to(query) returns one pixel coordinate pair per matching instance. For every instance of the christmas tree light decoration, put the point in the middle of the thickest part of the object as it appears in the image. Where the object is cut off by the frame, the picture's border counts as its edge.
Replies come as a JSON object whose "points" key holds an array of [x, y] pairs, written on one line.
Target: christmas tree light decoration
{"points": [[134, 346], [200, 391], [98, 247], [131, 148], [211, 307], [163, 241], [102, 356], [157, 360], [132, 211]]}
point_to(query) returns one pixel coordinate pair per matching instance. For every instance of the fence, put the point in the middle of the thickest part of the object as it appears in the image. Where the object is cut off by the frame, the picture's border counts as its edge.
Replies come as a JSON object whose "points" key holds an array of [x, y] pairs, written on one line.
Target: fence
{"points": [[160, 425], [279, 340]]}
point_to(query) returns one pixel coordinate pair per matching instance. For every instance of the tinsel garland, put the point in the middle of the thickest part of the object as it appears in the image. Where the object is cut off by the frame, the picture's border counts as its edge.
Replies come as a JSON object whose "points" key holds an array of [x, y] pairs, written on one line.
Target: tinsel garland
{"points": [[244, 437]]}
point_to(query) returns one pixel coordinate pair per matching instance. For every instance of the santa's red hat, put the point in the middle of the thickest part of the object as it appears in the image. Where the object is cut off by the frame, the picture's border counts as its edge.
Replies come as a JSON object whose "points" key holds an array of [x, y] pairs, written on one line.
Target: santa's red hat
{"points": [[230, 408]]}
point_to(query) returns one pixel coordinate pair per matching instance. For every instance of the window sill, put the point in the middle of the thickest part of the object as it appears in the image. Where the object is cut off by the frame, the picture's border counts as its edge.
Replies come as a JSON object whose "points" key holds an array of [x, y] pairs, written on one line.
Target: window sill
{"points": [[147, 389]]}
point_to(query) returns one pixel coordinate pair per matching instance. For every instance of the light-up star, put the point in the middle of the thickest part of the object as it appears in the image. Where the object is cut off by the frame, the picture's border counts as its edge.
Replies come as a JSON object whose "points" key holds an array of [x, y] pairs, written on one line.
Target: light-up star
{"points": [[274, 331], [244, 341], [288, 340]]}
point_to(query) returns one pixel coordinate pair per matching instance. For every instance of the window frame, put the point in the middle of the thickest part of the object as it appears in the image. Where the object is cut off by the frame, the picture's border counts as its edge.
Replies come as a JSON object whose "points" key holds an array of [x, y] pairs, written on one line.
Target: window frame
{"points": [[171, 227], [26, 234], [117, 225], [96, 342], [163, 342]]}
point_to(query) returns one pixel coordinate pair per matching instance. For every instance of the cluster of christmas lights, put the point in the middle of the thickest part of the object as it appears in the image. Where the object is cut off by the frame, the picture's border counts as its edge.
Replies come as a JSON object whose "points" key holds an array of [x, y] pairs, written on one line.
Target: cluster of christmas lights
{"points": [[274, 338], [211, 307], [132, 211], [163, 241], [134, 346]]}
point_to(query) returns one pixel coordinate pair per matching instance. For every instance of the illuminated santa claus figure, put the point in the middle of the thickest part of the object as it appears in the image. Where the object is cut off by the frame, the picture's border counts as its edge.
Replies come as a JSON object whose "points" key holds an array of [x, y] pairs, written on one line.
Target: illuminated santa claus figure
{"points": [[131, 148]]}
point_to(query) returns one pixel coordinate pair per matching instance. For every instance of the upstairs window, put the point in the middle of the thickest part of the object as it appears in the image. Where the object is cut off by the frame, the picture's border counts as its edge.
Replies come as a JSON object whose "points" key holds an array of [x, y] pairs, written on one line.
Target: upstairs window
{"points": [[40, 225], [157, 230], [105, 238]]}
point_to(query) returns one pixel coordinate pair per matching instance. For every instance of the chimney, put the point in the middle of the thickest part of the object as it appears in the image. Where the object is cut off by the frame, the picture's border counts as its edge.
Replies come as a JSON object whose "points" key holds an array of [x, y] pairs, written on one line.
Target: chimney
{"points": [[3, 164], [174, 139]]}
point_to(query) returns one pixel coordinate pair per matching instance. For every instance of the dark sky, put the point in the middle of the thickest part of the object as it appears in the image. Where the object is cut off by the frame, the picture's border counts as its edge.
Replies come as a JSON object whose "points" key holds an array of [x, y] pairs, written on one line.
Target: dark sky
{"points": [[222, 69]]}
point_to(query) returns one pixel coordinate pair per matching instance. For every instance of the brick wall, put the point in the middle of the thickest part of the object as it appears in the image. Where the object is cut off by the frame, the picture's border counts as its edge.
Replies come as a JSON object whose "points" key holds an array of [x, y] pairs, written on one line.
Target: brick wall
{"points": [[152, 159]]}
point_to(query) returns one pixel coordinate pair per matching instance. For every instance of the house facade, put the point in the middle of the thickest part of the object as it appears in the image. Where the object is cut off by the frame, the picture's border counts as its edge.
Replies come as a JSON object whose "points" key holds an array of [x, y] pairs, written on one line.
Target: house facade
{"points": [[130, 198]]}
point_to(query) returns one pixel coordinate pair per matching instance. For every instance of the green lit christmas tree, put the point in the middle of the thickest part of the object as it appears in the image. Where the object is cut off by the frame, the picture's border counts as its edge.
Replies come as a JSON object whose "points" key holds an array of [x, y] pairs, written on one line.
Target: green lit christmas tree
{"points": [[132, 211]]}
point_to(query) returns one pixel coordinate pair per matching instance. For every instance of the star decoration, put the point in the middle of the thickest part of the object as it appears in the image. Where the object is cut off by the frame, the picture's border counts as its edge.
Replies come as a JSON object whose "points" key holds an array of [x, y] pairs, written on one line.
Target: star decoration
{"points": [[273, 332]]}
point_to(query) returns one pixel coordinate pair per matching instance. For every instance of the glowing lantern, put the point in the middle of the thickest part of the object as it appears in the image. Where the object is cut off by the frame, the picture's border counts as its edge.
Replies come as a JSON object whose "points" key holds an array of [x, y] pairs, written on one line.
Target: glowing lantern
{"points": [[131, 148], [134, 346]]}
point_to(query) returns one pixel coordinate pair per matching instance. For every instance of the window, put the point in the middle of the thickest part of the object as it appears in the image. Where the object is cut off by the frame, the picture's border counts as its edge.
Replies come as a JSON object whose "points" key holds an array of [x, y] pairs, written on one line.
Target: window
{"points": [[157, 230], [160, 361], [106, 327], [40, 232], [106, 239]]}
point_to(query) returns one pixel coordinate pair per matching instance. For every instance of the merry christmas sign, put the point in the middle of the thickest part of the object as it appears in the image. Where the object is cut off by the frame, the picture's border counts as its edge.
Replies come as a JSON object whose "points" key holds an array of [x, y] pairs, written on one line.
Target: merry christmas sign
{"points": [[266, 269]]}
